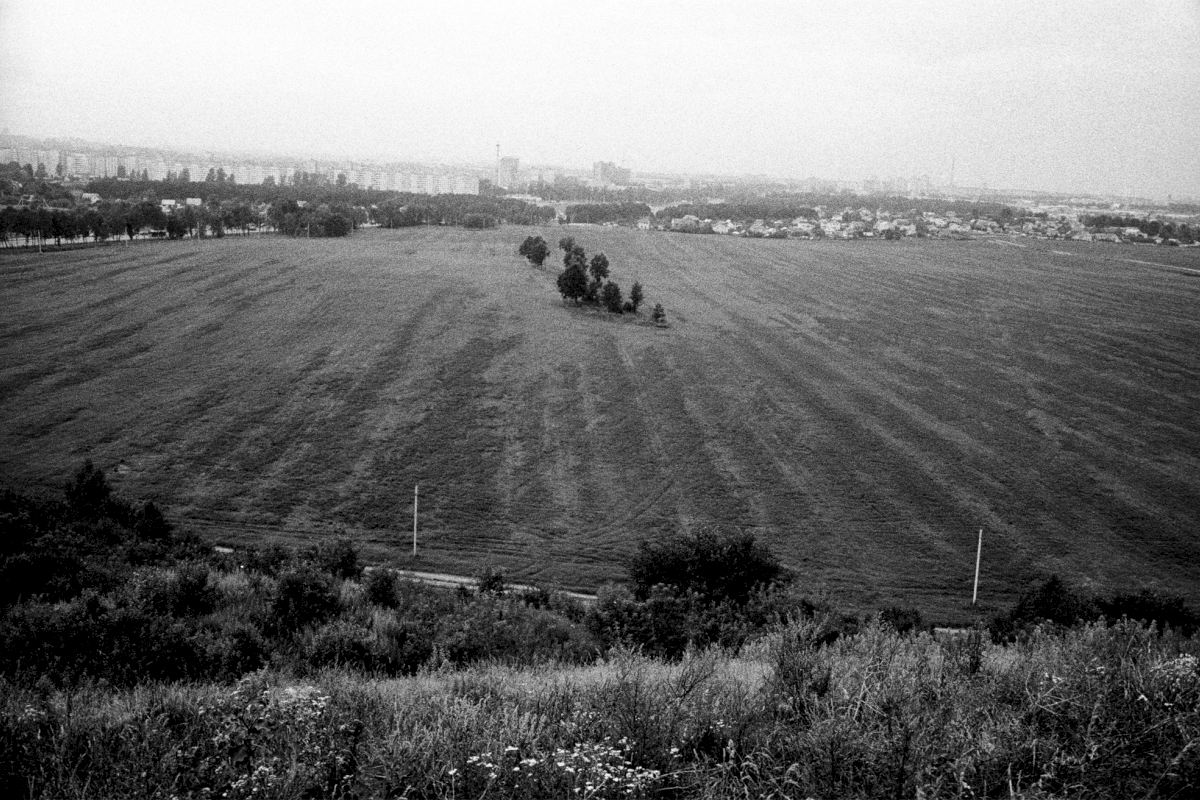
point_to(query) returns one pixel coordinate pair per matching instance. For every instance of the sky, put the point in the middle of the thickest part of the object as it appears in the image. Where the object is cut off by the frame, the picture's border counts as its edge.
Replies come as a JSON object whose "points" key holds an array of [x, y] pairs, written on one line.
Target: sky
{"points": [[1084, 96]]}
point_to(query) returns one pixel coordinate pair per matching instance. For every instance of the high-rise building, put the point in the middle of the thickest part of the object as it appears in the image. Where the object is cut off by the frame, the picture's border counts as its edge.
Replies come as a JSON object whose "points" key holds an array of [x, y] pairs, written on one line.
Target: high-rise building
{"points": [[466, 184], [506, 172], [608, 172]]}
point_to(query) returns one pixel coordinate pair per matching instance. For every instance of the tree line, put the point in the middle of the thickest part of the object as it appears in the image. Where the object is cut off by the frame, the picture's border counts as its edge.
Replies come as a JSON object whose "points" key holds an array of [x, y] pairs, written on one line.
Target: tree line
{"points": [[598, 213], [1167, 229], [581, 280]]}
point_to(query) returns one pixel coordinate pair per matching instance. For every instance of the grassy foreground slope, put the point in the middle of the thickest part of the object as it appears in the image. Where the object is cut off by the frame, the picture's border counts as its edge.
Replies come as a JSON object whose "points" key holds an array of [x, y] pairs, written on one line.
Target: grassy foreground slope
{"points": [[865, 407]]}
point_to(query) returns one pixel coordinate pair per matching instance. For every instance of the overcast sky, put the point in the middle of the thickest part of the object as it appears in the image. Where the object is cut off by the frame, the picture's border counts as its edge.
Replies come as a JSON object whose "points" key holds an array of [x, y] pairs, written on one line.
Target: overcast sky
{"points": [[1085, 96]]}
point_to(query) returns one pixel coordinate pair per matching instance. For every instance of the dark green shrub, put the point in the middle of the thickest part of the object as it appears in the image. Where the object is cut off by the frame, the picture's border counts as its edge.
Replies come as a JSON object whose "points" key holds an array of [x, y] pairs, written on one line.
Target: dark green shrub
{"points": [[715, 565], [902, 619], [339, 558], [1147, 606], [150, 524], [490, 581], [401, 647], [341, 643], [269, 561], [241, 649], [1053, 601], [89, 492], [304, 597], [381, 588], [494, 628], [611, 296], [193, 596]]}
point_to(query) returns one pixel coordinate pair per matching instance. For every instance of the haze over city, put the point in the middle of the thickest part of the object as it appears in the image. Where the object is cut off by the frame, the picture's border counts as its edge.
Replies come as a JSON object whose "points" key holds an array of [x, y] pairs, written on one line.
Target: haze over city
{"points": [[1088, 97]]}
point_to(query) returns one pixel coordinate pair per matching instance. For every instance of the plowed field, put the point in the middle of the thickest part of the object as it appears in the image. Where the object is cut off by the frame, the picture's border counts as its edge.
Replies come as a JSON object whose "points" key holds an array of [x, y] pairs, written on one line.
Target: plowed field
{"points": [[865, 407]]}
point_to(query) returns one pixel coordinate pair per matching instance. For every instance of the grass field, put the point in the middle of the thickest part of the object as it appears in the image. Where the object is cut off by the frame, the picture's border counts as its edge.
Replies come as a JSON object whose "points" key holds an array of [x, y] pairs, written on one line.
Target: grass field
{"points": [[865, 407]]}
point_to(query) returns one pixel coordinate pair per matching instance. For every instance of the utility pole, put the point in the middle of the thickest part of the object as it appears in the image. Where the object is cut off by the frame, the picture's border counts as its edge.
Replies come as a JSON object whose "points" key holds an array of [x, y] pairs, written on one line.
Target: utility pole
{"points": [[978, 553], [416, 491]]}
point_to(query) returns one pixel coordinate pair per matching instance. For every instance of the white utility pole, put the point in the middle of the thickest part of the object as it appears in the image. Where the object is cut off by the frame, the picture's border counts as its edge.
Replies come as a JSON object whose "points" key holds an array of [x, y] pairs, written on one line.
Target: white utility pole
{"points": [[416, 491], [978, 553]]}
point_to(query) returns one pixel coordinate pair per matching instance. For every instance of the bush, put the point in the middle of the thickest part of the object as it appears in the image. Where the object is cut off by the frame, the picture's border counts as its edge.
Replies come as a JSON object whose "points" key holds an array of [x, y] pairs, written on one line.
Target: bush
{"points": [[612, 297], [303, 598], [180, 593], [340, 643], [240, 650], [535, 249], [1151, 608], [381, 588], [902, 619], [1053, 601], [339, 558], [716, 565], [490, 581]]}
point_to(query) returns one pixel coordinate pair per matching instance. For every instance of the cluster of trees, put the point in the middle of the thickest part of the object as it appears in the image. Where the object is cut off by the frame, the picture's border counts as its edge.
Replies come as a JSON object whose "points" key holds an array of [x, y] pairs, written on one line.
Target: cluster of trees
{"points": [[535, 249], [1151, 228], [294, 219], [805, 207], [114, 219], [1056, 602], [588, 282], [386, 208], [597, 213], [467, 210]]}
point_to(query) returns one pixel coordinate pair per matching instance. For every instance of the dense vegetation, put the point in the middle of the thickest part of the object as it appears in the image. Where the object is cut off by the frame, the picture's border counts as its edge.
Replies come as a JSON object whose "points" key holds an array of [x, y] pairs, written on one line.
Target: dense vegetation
{"points": [[791, 206], [594, 213], [712, 675], [1167, 229], [306, 207], [586, 282]]}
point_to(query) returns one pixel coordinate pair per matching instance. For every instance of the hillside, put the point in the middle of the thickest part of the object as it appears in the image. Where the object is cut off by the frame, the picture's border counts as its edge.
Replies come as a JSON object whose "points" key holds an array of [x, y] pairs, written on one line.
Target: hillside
{"points": [[864, 407]]}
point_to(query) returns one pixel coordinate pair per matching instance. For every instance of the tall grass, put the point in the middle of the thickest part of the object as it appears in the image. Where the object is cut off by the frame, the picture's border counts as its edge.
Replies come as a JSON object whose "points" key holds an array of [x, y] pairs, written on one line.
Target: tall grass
{"points": [[1096, 712]]}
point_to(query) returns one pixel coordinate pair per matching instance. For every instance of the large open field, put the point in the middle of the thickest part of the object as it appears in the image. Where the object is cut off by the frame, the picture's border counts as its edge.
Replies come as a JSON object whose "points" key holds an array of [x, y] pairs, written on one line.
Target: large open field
{"points": [[865, 407]]}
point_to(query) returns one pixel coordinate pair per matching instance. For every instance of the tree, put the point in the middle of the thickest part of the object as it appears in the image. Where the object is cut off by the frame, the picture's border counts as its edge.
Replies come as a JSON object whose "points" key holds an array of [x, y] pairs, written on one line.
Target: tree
{"points": [[599, 267], [635, 296], [572, 282], [567, 243], [211, 176], [612, 297], [185, 176], [658, 315], [718, 566], [341, 179], [220, 174], [535, 249], [41, 171], [176, 229], [88, 494]]}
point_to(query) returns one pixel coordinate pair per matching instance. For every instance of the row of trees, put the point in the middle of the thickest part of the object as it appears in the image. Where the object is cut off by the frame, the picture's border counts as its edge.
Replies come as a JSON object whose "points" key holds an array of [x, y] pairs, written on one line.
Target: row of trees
{"points": [[1167, 229], [114, 219], [588, 282], [597, 213]]}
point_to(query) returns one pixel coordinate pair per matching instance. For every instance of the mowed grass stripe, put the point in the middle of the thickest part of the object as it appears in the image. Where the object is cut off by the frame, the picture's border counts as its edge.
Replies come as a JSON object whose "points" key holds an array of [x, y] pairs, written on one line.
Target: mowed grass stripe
{"points": [[863, 406]]}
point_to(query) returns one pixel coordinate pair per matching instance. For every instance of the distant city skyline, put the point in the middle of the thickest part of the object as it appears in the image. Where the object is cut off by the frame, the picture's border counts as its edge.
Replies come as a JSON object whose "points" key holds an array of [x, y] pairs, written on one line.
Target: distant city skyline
{"points": [[1079, 96], [93, 159]]}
